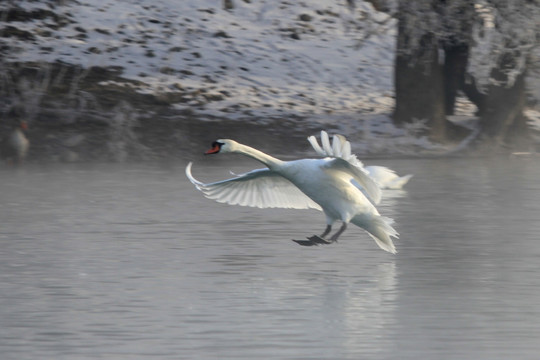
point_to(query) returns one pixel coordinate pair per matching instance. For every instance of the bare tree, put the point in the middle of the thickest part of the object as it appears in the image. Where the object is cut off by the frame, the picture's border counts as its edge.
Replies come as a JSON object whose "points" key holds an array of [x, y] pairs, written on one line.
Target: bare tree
{"points": [[482, 48]]}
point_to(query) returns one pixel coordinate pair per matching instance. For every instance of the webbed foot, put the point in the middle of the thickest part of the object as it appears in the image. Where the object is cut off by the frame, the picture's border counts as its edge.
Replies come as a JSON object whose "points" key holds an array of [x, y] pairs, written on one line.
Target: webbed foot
{"points": [[305, 242], [313, 240], [319, 240]]}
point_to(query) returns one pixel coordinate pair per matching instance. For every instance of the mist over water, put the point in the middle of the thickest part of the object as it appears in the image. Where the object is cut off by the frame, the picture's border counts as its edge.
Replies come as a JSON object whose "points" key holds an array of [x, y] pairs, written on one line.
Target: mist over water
{"points": [[111, 261]]}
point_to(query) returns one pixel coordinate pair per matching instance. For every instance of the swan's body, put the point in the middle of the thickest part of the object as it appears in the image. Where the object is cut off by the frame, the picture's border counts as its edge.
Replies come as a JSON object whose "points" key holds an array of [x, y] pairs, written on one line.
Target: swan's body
{"points": [[383, 176], [338, 188]]}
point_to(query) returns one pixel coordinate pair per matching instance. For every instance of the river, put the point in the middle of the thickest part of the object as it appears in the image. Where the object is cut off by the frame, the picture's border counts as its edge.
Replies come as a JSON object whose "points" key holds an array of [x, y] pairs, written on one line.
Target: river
{"points": [[110, 261]]}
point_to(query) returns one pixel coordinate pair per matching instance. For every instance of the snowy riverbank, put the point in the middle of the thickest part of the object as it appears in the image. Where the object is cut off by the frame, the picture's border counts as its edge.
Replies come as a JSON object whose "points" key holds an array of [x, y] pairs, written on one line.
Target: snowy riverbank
{"points": [[260, 62]]}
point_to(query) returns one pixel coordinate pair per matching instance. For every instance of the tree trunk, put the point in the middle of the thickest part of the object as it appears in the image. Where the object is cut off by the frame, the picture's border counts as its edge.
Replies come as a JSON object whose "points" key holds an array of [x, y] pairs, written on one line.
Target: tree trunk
{"points": [[426, 87], [419, 86], [473, 94], [455, 67], [503, 122]]}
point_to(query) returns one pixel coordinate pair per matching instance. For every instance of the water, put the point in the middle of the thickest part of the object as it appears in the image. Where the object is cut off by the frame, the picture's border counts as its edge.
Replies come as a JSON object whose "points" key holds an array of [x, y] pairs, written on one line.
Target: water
{"points": [[129, 261]]}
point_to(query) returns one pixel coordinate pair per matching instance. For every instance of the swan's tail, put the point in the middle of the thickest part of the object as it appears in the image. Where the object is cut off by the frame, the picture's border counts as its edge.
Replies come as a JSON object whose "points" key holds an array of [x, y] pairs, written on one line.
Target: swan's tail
{"points": [[398, 182], [380, 229]]}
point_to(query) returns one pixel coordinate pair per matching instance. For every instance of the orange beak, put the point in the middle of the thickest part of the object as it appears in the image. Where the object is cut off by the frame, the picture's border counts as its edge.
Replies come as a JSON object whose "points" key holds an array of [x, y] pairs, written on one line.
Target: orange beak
{"points": [[24, 125], [214, 150]]}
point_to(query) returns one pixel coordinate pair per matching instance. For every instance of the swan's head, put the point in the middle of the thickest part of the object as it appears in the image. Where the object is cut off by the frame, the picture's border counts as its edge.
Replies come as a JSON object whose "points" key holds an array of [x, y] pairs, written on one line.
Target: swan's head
{"points": [[222, 146]]}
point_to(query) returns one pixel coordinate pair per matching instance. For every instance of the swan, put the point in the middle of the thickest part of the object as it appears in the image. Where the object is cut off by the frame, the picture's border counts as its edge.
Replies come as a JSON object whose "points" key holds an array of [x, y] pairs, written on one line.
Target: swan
{"points": [[14, 147], [383, 176], [340, 189]]}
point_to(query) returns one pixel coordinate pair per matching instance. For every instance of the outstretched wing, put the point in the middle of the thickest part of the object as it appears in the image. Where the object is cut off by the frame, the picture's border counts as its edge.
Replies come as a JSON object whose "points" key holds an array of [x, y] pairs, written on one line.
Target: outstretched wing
{"points": [[262, 188], [387, 178], [344, 160], [340, 148]]}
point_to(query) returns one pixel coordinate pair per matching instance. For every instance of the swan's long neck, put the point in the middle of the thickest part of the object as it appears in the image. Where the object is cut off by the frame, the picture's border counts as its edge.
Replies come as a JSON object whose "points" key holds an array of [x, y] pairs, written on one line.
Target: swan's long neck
{"points": [[270, 161]]}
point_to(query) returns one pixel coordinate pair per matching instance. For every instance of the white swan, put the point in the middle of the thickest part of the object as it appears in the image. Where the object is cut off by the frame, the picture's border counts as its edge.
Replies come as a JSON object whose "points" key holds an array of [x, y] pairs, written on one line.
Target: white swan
{"points": [[385, 177], [14, 147], [330, 185]]}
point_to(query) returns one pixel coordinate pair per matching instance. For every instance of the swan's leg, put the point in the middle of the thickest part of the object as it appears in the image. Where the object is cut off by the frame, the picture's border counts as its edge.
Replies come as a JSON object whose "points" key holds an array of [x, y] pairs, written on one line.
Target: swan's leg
{"points": [[326, 231], [339, 232]]}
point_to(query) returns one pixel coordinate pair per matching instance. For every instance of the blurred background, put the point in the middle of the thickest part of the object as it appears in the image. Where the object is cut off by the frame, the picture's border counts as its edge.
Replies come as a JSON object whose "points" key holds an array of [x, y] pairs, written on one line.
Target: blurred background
{"points": [[131, 80]]}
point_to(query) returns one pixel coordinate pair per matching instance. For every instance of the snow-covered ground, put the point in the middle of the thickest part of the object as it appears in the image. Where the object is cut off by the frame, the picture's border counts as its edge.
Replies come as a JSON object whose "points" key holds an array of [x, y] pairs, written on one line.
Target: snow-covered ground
{"points": [[317, 59], [307, 57]]}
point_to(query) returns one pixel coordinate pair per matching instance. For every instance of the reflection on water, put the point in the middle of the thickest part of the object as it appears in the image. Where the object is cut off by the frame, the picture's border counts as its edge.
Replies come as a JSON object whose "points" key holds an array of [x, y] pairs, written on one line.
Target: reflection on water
{"points": [[130, 261]]}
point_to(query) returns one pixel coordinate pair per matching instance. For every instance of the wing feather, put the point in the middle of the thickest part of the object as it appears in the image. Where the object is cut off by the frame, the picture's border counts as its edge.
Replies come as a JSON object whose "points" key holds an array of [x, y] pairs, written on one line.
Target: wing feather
{"points": [[346, 150], [325, 141], [344, 160], [359, 178], [336, 146], [315, 144], [260, 188]]}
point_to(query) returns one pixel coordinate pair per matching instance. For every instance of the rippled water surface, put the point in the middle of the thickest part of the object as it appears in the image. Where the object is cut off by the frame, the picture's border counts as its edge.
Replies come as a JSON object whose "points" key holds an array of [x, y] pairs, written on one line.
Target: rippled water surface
{"points": [[130, 261]]}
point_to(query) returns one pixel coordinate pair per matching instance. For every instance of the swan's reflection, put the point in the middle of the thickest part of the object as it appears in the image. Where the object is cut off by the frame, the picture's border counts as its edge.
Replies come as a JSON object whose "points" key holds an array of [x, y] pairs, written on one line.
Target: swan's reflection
{"points": [[321, 302], [369, 312]]}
